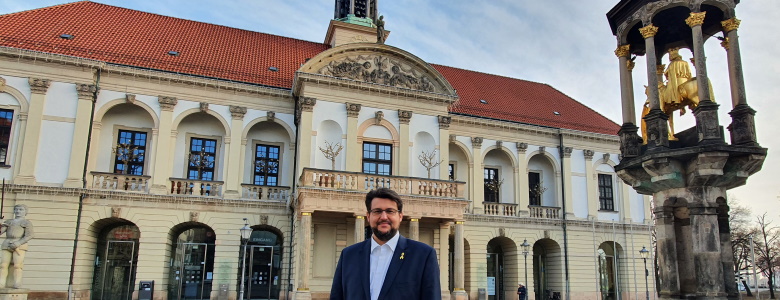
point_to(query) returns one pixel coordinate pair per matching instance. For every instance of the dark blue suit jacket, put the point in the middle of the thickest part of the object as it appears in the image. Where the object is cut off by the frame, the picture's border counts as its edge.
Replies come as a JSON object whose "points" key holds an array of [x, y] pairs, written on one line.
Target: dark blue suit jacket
{"points": [[413, 277]]}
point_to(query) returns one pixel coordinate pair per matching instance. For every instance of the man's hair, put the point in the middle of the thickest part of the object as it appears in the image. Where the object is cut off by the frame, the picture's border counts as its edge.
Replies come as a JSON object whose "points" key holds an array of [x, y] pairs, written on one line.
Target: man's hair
{"points": [[384, 193], [26, 209]]}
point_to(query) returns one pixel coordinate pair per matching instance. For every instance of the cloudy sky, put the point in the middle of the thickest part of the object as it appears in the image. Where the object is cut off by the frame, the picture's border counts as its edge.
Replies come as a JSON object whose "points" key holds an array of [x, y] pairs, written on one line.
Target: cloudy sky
{"points": [[564, 43]]}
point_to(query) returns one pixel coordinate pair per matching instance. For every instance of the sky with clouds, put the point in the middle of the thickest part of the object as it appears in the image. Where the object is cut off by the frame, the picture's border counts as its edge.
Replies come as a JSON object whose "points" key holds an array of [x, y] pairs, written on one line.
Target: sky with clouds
{"points": [[567, 44]]}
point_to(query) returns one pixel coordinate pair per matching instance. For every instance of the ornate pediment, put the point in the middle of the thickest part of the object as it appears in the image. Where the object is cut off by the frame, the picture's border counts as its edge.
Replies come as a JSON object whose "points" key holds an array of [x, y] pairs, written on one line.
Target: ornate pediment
{"points": [[380, 69]]}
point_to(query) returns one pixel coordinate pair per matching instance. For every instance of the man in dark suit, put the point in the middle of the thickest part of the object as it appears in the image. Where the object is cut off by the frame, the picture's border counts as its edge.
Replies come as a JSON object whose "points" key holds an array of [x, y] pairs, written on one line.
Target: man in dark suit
{"points": [[387, 266]]}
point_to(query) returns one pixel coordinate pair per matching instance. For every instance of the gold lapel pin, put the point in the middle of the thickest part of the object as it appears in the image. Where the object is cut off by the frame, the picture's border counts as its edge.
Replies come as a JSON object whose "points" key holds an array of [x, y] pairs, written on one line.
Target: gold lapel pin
{"points": [[402, 255]]}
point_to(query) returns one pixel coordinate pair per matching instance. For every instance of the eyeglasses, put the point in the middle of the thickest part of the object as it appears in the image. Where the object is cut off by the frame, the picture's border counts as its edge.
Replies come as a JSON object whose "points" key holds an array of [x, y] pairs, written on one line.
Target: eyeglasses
{"points": [[390, 212]]}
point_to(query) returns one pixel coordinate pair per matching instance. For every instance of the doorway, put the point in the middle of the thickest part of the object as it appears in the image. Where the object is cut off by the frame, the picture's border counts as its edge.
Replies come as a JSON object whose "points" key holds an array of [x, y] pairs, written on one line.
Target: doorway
{"points": [[192, 265], [115, 263], [263, 277]]}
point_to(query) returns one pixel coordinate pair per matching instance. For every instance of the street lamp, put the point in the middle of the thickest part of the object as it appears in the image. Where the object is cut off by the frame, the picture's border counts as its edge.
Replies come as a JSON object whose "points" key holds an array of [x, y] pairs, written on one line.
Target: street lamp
{"points": [[246, 232], [645, 254], [526, 247]]}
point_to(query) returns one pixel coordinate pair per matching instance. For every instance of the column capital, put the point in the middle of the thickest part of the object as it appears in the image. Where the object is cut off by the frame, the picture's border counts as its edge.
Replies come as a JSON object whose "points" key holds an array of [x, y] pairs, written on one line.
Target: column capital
{"points": [[306, 214], [307, 103], [460, 222], [695, 19], [360, 217], [39, 85], [237, 112], [86, 91], [476, 142], [404, 116], [444, 122], [414, 220], [730, 24], [353, 109], [648, 31], [588, 154], [167, 103], [521, 147], [623, 51], [567, 151]]}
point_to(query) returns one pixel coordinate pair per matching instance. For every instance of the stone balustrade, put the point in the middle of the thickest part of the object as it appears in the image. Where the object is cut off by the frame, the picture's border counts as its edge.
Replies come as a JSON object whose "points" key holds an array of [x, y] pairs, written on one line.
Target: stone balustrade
{"points": [[120, 182], [500, 209], [354, 181], [265, 192], [181, 186], [544, 212]]}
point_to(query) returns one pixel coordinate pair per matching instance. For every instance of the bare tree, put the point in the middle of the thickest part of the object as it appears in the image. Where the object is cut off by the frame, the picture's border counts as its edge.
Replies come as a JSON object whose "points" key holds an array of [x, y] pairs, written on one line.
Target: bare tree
{"points": [[739, 222], [331, 151], [428, 160], [767, 248]]}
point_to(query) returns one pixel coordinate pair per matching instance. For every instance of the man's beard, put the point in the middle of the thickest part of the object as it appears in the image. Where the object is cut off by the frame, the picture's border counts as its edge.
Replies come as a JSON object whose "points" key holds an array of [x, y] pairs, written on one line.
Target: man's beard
{"points": [[386, 236]]}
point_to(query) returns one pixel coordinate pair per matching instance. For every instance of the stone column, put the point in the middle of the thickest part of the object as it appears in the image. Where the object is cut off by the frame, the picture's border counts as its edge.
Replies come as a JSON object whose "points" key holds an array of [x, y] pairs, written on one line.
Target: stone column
{"points": [[404, 163], [459, 292], [233, 171], [414, 229], [522, 180], [305, 253], [567, 189], [706, 252], [360, 229], [592, 185], [656, 120], [86, 95], [444, 147], [743, 126], [726, 254], [478, 182], [444, 257], [163, 152], [666, 252], [626, 97], [304, 112], [29, 153], [354, 150], [706, 113]]}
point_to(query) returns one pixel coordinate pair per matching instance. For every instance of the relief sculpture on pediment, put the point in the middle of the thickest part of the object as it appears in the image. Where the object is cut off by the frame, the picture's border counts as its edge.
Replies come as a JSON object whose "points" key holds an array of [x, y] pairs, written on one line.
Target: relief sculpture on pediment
{"points": [[379, 70]]}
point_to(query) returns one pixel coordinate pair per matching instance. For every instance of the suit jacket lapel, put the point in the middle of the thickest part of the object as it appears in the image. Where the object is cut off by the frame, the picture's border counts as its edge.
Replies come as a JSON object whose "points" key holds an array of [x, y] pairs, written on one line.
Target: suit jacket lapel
{"points": [[365, 267], [395, 266]]}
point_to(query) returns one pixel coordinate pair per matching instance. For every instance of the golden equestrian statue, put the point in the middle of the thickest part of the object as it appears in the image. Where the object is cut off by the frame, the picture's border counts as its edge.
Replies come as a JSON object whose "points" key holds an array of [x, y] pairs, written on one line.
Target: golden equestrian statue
{"points": [[679, 91]]}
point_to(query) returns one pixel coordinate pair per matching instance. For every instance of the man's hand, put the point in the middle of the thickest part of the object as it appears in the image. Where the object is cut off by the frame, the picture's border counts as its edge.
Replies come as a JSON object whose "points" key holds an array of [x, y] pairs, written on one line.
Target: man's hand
{"points": [[13, 245]]}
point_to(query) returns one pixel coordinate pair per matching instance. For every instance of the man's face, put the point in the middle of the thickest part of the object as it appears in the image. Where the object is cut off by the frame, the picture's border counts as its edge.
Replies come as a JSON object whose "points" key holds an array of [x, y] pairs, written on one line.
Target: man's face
{"points": [[19, 211], [384, 225]]}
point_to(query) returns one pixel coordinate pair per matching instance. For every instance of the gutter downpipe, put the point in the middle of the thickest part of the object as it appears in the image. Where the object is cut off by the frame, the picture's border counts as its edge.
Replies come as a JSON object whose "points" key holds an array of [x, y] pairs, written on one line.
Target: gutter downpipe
{"points": [[82, 195], [293, 202], [563, 208]]}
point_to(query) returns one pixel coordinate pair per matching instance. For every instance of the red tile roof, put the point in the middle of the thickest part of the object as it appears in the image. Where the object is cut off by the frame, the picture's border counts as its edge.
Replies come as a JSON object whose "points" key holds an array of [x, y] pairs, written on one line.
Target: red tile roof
{"points": [[134, 38]]}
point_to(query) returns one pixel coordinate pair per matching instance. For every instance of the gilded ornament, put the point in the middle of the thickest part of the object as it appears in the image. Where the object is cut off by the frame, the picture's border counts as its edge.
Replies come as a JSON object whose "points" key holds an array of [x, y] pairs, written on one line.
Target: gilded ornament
{"points": [[622, 51], [725, 43], [695, 19], [730, 24], [648, 31], [630, 65]]}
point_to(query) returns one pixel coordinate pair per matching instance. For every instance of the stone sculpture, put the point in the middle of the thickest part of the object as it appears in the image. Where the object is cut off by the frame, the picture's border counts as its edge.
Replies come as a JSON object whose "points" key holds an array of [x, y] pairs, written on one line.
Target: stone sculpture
{"points": [[18, 232]]}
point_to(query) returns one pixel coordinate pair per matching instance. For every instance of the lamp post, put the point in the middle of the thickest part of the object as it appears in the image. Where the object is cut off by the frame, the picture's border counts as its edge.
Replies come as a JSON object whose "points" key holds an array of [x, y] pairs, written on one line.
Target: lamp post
{"points": [[645, 253], [246, 232], [526, 247]]}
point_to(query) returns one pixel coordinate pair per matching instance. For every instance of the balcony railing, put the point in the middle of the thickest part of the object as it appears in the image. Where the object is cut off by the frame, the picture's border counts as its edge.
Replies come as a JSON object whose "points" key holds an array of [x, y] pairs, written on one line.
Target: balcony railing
{"points": [[365, 182], [500, 209], [181, 186], [544, 212], [120, 182], [265, 192]]}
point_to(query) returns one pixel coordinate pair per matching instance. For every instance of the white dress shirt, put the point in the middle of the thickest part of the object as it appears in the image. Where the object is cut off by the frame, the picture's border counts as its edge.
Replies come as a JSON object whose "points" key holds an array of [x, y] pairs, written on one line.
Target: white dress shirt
{"points": [[381, 255]]}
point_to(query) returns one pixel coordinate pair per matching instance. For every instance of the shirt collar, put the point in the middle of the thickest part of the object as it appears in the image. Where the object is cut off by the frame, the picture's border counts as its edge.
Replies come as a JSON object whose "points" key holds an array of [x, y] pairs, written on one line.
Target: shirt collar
{"points": [[391, 243]]}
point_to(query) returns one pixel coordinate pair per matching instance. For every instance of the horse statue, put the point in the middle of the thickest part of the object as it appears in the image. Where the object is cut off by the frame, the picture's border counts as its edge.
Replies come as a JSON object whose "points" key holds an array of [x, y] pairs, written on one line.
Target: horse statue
{"points": [[680, 91]]}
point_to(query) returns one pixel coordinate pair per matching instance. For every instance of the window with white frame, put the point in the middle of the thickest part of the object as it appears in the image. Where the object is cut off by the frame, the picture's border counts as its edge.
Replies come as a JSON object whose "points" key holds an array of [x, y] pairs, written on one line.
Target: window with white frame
{"points": [[606, 193]]}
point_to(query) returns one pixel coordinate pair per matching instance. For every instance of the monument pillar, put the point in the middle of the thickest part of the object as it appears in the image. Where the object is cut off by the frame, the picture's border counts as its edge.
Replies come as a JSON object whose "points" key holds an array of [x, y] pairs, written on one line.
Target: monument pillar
{"points": [[743, 126], [656, 119], [706, 251], [666, 254], [707, 124]]}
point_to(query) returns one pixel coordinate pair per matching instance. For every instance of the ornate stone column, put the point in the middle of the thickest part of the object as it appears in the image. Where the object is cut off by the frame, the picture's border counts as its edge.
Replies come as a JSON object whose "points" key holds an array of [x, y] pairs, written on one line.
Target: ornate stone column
{"points": [[522, 180], [86, 95], [656, 120], [478, 182], [404, 116], [233, 171], [29, 153], [353, 149], [304, 113], [743, 126], [707, 124], [667, 253], [305, 253], [360, 229], [459, 292], [626, 97], [163, 161], [414, 229], [444, 147]]}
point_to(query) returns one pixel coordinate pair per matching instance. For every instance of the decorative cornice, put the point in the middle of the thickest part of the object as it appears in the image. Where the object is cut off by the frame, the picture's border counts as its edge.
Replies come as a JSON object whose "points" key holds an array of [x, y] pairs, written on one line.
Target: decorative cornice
{"points": [[130, 98], [623, 51], [353, 109], [567, 151], [404, 116], [476, 142], [378, 69], [86, 91], [588, 154], [521, 147], [730, 24], [307, 103], [378, 89], [167, 103], [39, 85], [444, 122], [648, 31], [204, 107], [695, 19], [515, 129], [270, 115], [237, 112]]}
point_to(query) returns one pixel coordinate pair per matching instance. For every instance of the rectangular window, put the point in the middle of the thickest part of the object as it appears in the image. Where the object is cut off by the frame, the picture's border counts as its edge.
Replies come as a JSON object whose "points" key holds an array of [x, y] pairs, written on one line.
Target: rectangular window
{"points": [[130, 152], [266, 165], [6, 118], [492, 185], [534, 188], [201, 159], [451, 169], [377, 158], [606, 199]]}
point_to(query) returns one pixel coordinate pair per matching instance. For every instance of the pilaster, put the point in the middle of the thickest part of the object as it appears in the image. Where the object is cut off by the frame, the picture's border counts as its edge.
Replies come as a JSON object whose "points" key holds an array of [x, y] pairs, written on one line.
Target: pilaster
{"points": [[478, 177], [305, 111], [233, 170], [444, 147], [592, 185], [403, 155], [353, 148], [568, 195], [444, 256], [29, 153], [163, 152], [303, 291], [86, 98]]}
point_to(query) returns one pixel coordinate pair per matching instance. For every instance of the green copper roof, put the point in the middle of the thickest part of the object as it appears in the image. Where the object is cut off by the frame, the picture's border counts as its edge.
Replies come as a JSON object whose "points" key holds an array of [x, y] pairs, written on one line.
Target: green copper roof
{"points": [[352, 19]]}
